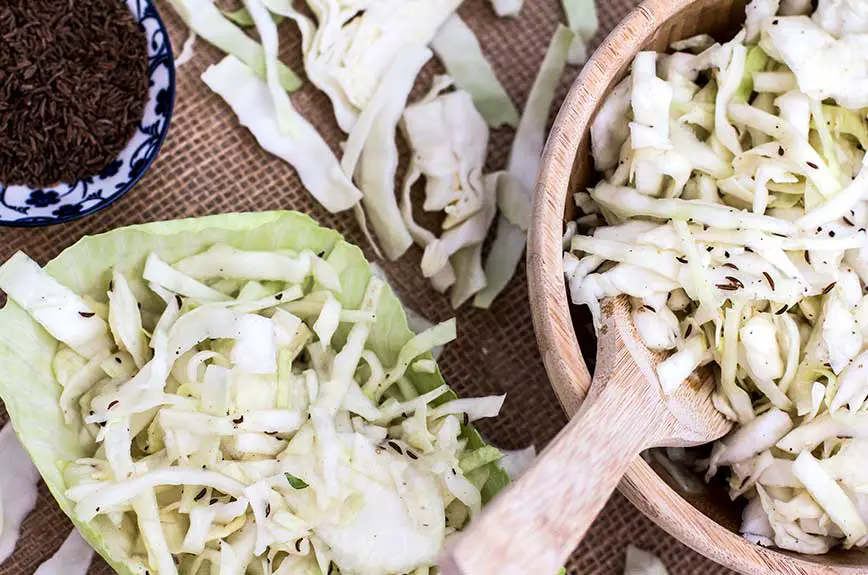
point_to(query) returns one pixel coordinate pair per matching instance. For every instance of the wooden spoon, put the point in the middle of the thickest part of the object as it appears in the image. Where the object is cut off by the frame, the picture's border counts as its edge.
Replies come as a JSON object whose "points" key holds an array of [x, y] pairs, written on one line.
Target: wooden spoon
{"points": [[534, 525]]}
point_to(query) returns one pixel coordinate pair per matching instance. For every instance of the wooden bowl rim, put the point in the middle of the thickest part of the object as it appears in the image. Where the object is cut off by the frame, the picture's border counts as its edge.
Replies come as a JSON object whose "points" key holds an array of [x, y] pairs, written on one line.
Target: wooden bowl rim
{"points": [[555, 333]]}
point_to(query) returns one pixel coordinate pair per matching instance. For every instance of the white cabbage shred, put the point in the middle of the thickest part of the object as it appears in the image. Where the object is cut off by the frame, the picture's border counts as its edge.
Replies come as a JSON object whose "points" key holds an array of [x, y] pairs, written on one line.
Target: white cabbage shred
{"points": [[449, 140], [456, 45], [188, 50], [66, 316], [641, 562], [379, 157], [207, 22], [256, 432], [515, 463], [366, 57], [582, 19], [523, 166], [301, 146], [505, 8], [73, 557], [18, 481], [732, 212]]}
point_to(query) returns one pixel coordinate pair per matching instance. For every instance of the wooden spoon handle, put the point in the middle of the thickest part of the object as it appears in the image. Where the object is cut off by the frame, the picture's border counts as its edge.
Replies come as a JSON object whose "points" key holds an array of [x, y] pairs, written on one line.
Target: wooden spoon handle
{"points": [[534, 525]]}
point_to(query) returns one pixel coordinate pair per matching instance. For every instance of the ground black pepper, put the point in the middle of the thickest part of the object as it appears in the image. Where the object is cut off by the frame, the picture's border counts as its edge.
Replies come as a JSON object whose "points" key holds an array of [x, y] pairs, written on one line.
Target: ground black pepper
{"points": [[73, 87]]}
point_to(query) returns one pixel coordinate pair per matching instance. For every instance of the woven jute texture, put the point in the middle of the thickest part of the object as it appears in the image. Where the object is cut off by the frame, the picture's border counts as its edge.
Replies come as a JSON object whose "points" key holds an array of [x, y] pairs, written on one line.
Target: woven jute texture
{"points": [[211, 165]]}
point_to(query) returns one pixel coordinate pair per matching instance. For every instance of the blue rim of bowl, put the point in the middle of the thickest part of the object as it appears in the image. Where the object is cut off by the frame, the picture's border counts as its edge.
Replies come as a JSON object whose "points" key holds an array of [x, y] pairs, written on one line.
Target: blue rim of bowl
{"points": [[169, 58]]}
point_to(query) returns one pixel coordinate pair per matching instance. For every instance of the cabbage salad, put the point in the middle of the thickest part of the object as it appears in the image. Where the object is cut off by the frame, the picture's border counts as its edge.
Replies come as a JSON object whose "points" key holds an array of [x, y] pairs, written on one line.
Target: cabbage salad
{"points": [[235, 417], [732, 212]]}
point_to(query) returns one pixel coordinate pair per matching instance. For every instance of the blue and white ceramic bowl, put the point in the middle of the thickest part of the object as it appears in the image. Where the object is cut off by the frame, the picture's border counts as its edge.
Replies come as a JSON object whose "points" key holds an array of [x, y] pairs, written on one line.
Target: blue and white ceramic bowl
{"points": [[22, 206]]}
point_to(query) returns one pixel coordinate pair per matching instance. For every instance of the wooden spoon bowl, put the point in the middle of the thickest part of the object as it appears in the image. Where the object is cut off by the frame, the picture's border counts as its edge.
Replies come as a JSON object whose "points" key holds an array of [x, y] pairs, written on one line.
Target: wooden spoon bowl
{"points": [[707, 522]]}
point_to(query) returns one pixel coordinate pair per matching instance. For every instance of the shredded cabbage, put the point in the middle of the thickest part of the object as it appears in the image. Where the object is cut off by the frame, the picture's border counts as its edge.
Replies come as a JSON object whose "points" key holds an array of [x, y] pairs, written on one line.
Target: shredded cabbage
{"points": [[18, 481], [365, 57], [250, 437], [65, 315], [188, 50], [841, 17], [267, 30], [505, 8], [515, 463], [641, 562], [73, 557], [732, 211], [449, 140], [304, 149], [457, 46], [210, 24], [353, 45], [524, 162], [583, 21], [825, 66], [379, 160]]}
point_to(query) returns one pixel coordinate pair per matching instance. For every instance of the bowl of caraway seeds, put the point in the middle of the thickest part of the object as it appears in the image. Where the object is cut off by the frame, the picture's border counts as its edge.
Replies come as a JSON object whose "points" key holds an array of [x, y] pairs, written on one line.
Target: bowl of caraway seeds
{"points": [[86, 95]]}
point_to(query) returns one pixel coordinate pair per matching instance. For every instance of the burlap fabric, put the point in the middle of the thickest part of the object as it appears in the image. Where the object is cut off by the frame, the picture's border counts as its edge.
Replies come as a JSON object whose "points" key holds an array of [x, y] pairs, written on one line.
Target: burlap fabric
{"points": [[210, 165]]}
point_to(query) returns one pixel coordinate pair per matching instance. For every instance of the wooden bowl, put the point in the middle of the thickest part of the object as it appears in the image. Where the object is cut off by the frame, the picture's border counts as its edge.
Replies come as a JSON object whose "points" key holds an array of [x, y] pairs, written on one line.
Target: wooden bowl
{"points": [[708, 522]]}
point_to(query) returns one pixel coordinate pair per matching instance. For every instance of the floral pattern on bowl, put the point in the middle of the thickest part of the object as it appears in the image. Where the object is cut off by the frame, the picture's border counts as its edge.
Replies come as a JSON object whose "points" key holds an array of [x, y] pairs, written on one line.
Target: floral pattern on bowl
{"points": [[22, 206]]}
